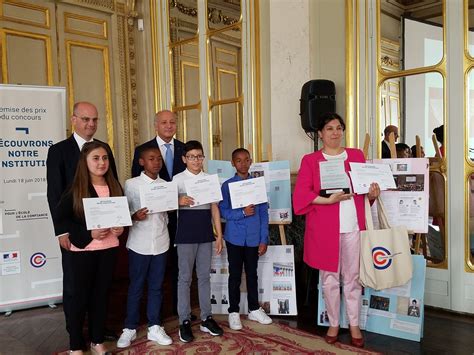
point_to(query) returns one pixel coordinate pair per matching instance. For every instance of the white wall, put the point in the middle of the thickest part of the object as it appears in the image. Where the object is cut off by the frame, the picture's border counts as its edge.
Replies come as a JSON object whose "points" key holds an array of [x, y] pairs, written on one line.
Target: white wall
{"points": [[328, 46], [306, 40], [289, 70]]}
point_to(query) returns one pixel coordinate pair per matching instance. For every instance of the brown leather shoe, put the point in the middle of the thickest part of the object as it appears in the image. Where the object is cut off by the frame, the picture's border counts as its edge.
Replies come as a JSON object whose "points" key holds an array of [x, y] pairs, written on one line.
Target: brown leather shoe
{"points": [[357, 342], [330, 339]]}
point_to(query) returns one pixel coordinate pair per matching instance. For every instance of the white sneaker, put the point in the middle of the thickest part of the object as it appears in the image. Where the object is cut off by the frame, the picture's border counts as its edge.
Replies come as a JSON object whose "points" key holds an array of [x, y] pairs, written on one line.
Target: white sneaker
{"points": [[260, 316], [158, 334], [234, 321], [128, 335]]}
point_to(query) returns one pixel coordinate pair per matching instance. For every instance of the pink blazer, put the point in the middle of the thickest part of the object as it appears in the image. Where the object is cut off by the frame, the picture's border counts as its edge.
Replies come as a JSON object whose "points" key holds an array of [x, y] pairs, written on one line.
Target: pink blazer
{"points": [[321, 237]]}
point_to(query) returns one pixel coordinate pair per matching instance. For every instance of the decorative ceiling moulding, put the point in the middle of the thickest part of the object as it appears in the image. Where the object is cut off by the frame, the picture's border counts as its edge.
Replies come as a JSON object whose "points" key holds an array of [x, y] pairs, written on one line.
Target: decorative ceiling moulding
{"points": [[215, 14], [216, 17], [410, 5], [412, 8], [388, 62], [390, 47], [119, 7], [102, 5]]}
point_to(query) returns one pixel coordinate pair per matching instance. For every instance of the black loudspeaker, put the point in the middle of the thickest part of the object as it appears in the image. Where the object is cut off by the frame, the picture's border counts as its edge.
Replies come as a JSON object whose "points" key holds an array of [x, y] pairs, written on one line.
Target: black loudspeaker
{"points": [[317, 98]]}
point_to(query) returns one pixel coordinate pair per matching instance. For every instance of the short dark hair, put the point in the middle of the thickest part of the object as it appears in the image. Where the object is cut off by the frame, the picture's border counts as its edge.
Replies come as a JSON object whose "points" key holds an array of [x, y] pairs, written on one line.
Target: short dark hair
{"points": [[413, 151], [401, 146], [191, 145], [239, 150], [439, 133], [328, 117], [146, 149]]}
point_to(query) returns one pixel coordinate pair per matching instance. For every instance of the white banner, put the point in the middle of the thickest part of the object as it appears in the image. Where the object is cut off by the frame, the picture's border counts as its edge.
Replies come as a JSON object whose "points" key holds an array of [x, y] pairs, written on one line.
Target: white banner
{"points": [[32, 119]]}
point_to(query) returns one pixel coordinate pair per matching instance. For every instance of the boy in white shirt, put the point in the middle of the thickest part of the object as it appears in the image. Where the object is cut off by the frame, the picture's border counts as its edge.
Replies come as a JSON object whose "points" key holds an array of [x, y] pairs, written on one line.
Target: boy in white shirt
{"points": [[147, 244]]}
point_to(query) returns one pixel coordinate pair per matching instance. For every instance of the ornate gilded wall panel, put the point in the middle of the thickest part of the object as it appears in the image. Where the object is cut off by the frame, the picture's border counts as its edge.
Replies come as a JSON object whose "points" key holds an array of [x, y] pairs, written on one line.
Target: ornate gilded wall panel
{"points": [[86, 46], [226, 57], [129, 110], [18, 49], [25, 13], [89, 80], [85, 26]]}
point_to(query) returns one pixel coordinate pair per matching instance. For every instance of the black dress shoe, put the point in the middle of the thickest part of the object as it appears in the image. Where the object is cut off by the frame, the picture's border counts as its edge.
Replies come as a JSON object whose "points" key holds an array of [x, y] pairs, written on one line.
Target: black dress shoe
{"points": [[109, 335]]}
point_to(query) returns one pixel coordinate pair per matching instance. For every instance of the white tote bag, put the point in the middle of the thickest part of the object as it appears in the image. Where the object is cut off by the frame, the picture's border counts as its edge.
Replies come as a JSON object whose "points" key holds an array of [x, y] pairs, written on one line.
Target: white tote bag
{"points": [[385, 258]]}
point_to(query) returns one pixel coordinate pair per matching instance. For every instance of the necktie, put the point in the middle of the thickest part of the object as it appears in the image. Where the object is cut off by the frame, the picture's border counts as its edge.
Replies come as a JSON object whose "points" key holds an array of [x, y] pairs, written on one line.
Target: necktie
{"points": [[169, 159]]}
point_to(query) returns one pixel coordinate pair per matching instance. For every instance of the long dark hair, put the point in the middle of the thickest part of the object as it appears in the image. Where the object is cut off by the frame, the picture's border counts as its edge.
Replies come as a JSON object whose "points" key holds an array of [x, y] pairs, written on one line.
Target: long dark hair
{"points": [[82, 181]]}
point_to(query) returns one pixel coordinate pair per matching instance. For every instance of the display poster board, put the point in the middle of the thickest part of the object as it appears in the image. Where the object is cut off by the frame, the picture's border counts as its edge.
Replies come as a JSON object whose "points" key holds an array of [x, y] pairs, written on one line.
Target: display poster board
{"points": [[408, 205], [32, 119], [397, 311], [276, 282], [277, 180]]}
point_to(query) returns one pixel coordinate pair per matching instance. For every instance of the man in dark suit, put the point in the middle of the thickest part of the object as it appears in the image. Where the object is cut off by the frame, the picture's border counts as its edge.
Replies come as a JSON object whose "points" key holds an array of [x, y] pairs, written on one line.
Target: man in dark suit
{"points": [[165, 127], [61, 166], [385, 143], [172, 152]]}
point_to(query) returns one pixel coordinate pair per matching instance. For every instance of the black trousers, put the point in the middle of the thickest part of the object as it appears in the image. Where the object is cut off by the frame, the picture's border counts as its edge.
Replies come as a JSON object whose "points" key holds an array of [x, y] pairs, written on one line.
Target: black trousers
{"points": [[93, 273], [68, 284], [239, 257]]}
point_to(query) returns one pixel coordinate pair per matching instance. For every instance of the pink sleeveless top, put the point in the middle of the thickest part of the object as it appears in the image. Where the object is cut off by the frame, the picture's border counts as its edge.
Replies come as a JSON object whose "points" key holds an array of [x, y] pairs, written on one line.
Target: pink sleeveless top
{"points": [[111, 240]]}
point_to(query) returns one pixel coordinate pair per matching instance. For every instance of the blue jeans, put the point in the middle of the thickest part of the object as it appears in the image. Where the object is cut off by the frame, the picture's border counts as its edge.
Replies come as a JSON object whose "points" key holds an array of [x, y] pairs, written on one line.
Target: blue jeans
{"points": [[140, 268]]}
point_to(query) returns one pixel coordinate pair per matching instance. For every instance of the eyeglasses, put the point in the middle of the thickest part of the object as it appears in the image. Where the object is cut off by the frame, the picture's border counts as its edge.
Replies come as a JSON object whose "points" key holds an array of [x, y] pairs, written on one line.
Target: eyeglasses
{"points": [[86, 119], [195, 157]]}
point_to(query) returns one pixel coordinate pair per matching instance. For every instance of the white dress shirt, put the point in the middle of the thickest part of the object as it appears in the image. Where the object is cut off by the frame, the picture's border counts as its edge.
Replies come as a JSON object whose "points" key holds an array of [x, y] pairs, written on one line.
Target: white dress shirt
{"points": [[80, 141], [150, 236]]}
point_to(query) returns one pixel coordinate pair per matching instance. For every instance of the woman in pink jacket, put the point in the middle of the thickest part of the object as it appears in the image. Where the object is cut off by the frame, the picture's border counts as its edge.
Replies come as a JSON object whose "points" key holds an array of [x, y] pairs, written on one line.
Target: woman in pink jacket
{"points": [[333, 223]]}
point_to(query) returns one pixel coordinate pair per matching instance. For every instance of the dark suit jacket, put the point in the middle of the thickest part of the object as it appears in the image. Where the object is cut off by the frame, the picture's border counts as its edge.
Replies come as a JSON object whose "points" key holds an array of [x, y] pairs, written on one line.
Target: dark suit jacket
{"points": [[385, 151], [68, 222], [61, 165], [178, 165]]}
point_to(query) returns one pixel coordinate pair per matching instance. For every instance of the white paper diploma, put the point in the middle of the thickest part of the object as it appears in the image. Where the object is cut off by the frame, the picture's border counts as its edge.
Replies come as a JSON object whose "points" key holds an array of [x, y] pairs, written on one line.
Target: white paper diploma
{"points": [[248, 192], [106, 212], [333, 175], [203, 189], [159, 197], [363, 174]]}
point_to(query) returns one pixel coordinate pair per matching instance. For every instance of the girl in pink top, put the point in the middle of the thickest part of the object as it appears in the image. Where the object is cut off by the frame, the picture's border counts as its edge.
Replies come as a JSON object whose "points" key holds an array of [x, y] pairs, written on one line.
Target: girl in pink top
{"points": [[93, 253], [331, 240]]}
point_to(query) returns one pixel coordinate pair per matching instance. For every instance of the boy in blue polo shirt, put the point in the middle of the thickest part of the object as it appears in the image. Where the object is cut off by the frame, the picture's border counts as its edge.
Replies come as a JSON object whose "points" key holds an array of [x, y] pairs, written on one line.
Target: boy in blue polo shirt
{"points": [[246, 236], [194, 237]]}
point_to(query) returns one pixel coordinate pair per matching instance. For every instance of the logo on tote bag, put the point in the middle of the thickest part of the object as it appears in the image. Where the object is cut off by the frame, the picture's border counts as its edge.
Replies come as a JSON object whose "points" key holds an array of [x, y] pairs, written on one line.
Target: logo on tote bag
{"points": [[382, 258]]}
